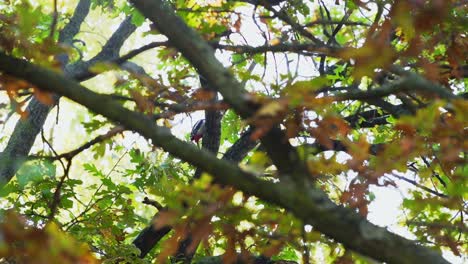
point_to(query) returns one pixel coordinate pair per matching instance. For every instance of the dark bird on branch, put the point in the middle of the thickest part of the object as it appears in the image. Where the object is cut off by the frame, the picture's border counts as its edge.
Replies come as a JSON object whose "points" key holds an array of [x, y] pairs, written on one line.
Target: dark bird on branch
{"points": [[198, 130]]}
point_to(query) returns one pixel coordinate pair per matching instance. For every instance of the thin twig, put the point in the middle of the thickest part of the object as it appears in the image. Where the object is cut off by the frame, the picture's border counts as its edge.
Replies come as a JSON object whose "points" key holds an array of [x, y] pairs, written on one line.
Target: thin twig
{"points": [[69, 155], [91, 204], [58, 189], [420, 186], [458, 227], [53, 25]]}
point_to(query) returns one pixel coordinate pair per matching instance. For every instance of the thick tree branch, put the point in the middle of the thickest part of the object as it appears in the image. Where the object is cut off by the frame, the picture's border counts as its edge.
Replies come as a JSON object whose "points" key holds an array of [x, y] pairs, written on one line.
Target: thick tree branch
{"points": [[149, 237], [310, 205], [109, 53], [243, 145], [212, 135], [84, 73], [22, 139]]}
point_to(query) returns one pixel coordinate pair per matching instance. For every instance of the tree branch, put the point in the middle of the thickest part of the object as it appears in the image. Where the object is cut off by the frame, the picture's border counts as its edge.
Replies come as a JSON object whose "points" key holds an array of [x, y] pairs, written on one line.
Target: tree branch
{"points": [[282, 47], [410, 83], [310, 205], [337, 145], [73, 27], [69, 155], [415, 183], [114, 44], [282, 15], [210, 142]]}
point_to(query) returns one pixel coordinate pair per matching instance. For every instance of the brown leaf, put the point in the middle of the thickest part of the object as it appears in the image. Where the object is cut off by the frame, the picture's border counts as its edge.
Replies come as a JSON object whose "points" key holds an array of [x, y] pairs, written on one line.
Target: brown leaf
{"points": [[202, 230], [345, 259], [292, 128], [330, 127], [273, 249], [165, 218], [431, 71], [230, 256], [44, 97], [259, 132], [169, 247], [453, 245], [345, 197], [143, 104], [203, 94], [237, 25], [407, 129]]}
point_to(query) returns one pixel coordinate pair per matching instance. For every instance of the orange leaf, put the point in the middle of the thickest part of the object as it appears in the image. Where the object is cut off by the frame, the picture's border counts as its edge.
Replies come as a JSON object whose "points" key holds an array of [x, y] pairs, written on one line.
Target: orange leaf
{"points": [[44, 97], [165, 218], [406, 129], [292, 128], [203, 229], [203, 94], [169, 248], [237, 24], [143, 104], [345, 197], [230, 255]]}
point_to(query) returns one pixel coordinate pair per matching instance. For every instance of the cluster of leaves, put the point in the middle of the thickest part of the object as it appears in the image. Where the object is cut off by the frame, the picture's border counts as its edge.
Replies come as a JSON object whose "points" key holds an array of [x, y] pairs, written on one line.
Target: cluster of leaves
{"points": [[24, 243]]}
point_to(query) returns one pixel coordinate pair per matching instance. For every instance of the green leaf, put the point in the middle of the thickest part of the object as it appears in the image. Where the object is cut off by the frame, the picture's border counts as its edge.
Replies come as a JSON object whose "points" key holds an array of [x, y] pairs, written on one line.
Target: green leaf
{"points": [[230, 126], [300, 87], [34, 172], [137, 18], [9, 188]]}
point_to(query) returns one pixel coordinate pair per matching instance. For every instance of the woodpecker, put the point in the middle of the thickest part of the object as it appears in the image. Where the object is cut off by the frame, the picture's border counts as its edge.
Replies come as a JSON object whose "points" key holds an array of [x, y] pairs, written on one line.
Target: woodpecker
{"points": [[198, 130]]}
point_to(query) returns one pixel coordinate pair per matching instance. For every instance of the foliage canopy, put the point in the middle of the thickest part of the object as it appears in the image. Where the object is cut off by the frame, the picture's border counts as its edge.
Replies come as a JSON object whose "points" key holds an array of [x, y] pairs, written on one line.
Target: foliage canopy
{"points": [[313, 110]]}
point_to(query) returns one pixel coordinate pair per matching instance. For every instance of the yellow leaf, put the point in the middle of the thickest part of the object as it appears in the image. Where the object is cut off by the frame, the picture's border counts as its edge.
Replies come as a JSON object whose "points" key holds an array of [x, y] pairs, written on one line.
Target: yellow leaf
{"points": [[204, 181], [167, 123], [275, 41], [271, 108], [260, 158], [102, 67]]}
